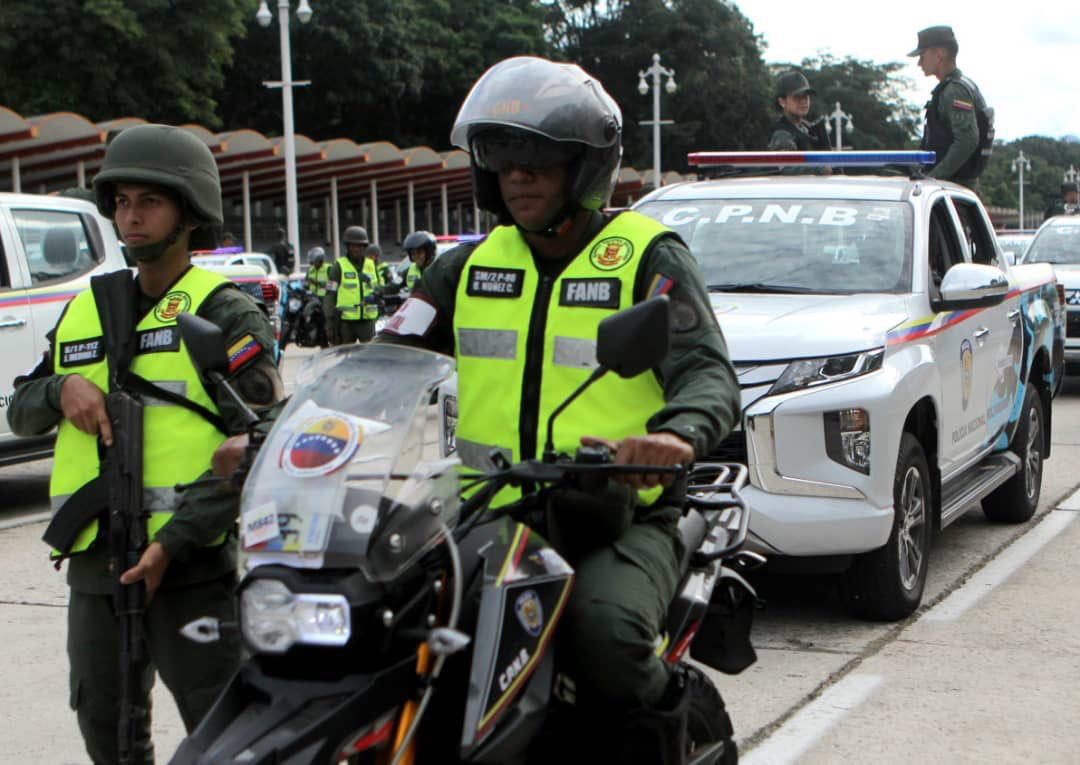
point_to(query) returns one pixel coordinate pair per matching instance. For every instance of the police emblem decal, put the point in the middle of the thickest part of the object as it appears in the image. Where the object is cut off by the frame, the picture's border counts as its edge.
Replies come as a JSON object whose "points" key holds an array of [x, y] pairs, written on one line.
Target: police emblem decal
{"points": [[172, 305], [611, 253], [967, 363], [320, 446], [529, 612]]}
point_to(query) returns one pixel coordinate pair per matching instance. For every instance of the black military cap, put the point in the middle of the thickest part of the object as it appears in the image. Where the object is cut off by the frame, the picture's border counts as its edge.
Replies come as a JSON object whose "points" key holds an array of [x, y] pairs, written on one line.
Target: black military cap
{"points": [[792, 83], [1067, 187], [935, 37]]}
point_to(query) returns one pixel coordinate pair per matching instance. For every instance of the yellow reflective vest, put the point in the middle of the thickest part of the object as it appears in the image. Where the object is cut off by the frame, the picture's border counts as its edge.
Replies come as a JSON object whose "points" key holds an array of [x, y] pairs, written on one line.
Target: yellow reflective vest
{"points": [[412, 276], [317, 278], [509, 322], [177, 443], [353, 288]]}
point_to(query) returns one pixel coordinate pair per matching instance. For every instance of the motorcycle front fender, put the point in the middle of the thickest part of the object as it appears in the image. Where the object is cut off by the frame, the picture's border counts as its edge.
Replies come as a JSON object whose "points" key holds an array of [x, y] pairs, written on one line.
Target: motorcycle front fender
{"points": [[261, 719]]}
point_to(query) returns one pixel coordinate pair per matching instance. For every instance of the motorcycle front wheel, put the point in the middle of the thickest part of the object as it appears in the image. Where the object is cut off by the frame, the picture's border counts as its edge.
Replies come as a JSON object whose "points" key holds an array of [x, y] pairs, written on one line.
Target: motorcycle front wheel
{"points": [[708, 723]]}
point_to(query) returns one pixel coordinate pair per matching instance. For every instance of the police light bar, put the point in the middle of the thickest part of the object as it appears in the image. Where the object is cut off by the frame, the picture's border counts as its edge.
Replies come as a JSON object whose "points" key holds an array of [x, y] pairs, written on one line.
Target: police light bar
{"points": [[794, 158]]}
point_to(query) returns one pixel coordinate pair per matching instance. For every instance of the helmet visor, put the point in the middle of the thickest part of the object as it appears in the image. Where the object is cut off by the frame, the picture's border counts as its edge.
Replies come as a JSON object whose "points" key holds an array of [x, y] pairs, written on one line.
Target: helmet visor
{"points": [[499, 150]]}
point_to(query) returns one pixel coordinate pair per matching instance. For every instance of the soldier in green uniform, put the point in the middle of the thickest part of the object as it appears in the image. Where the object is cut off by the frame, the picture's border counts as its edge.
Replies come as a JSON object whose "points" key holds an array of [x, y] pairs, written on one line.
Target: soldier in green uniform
{"points": [[952, 129], [792, 131], [420, 247], [160, 186], [350, 305], [1068, 202], [520, 311]]}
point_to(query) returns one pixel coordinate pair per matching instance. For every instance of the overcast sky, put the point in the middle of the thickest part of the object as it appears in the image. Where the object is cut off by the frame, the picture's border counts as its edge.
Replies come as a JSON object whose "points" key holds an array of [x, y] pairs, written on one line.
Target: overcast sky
{"points": [[1024, 56]]}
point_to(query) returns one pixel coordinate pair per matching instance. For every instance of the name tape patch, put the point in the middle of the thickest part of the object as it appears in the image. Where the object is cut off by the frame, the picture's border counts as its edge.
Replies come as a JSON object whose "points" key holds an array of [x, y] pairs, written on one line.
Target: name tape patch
{"points": [[590, 293], [81, 352], [495, 282], [157, 340]]}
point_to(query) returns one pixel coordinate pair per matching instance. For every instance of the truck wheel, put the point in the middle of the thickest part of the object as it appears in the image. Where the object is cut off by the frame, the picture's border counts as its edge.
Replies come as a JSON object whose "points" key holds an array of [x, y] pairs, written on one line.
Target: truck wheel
{"points": [[708, 722], [1016, 499], [887, 584]]}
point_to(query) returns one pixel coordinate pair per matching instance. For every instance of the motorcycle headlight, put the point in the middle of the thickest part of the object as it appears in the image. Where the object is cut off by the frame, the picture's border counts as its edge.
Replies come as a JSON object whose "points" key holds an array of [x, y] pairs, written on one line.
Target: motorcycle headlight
{"points": [[806, 373], [273, 618]]}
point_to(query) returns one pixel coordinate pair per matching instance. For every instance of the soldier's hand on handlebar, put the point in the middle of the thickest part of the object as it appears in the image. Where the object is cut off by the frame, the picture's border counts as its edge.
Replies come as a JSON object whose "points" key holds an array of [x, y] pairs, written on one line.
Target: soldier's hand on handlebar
{"points": [[661, 449]]}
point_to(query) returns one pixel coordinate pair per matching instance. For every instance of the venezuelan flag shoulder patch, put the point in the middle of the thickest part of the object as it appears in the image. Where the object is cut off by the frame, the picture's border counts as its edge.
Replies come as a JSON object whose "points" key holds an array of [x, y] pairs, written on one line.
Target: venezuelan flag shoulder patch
{"points": [[964, 106], [243, 351]]}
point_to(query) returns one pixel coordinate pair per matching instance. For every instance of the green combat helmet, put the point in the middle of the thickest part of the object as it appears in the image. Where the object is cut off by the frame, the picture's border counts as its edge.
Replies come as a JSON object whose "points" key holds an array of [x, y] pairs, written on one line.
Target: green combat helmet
{"points": [[165, 156]]}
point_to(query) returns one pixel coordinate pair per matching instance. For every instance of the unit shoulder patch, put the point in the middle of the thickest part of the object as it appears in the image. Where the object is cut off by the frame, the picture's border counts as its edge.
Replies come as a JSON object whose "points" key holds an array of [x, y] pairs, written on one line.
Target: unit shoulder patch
{"points": [[79, 352], [590, 293], [172, 305], [495, 282]]}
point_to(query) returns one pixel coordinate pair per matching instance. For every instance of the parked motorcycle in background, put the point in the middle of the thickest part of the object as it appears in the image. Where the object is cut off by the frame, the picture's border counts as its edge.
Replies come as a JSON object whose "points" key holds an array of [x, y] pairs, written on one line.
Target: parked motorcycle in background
{"points": [[303, 324], [378, 582]]}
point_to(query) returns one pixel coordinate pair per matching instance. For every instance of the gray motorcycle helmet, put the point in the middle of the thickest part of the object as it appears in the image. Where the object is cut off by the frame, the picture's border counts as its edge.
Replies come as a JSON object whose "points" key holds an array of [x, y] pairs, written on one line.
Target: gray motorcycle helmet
{"points": [[419, 240], [560, 102]]}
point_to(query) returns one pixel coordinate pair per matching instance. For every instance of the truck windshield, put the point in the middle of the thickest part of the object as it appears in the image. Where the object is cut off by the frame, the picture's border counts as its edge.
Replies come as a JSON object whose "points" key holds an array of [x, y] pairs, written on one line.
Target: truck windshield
{"points": [[1056, 244], [794, 245]]}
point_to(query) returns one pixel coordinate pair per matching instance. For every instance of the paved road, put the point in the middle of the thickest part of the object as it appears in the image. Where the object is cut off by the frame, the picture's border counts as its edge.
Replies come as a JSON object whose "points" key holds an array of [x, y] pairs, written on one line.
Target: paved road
{"points": [[988, 670]]}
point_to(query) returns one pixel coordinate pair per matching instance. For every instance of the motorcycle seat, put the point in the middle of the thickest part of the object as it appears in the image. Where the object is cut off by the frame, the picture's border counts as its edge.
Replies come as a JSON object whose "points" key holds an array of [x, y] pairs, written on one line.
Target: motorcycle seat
{"points": [[692, 531]]}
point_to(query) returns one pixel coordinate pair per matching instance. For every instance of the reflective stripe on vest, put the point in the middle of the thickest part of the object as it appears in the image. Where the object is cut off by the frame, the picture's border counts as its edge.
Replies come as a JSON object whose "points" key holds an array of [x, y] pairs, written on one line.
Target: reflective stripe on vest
{"points": [[177, 443], [352, 290], [493, 311]]}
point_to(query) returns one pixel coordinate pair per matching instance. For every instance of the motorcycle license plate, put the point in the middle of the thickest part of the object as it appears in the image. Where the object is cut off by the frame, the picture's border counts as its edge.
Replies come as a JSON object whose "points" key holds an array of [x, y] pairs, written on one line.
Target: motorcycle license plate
{"points": [[294, 304]]}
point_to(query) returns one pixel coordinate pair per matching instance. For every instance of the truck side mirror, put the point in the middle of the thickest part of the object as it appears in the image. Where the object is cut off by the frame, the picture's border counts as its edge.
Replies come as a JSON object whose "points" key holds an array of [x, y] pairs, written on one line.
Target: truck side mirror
{"points": [[636, 339]]}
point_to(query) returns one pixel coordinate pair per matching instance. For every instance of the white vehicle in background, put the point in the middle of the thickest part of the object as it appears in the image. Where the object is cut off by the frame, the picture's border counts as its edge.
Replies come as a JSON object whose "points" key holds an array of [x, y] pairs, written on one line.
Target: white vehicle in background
{"points": [[1057, 242], [895, 369], [50, 246], [1013, 243]]}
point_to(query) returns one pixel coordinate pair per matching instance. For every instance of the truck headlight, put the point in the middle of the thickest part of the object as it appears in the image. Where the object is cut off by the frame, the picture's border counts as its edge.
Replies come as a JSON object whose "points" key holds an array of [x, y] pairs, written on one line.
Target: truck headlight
{"points": [[273, 618], [847, 438], [806, 373]]}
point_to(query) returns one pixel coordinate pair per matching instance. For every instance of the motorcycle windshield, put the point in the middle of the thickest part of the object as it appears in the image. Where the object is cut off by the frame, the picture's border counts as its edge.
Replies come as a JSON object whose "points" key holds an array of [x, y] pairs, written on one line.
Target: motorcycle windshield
{"points": [[351, 475]]}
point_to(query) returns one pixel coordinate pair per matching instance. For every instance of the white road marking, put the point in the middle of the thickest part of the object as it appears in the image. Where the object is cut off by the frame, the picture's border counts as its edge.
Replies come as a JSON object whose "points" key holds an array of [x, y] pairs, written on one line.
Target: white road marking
{"points": [[1002, 567], [795, 737]]}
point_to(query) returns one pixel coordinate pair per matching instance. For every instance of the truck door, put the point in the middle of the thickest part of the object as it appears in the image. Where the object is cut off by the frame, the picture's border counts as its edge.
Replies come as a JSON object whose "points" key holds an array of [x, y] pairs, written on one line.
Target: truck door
{"points": [[963, 358], [16, 324], [1003, 339]]}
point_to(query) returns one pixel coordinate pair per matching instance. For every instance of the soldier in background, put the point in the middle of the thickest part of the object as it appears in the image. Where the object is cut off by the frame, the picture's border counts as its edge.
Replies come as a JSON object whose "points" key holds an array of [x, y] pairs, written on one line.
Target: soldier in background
{"points": [[1069, 202], [792, 131]]}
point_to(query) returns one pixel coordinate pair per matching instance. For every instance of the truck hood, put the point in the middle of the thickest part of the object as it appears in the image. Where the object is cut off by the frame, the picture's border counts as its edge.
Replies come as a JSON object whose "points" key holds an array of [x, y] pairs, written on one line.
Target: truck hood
{"points": [[1068, 276], [774, 327]]}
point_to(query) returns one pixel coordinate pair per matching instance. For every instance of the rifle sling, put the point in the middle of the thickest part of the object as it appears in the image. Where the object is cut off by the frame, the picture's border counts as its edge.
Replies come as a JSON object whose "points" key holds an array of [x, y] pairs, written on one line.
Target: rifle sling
{"points": [[139, 384]]}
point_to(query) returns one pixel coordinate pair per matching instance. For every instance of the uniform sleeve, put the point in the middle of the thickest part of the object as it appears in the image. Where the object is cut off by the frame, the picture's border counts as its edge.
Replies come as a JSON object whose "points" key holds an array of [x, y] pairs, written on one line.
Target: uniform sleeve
{"points": [[428, 323], [203, 513], [700, 388], [782, 140], [958, 111], [35, 406], [333, 281]]}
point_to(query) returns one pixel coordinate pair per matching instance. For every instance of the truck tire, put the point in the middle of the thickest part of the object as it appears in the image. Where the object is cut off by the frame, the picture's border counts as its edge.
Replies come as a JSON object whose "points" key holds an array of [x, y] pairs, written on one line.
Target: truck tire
{"points": [[708, 722], [1016, 499], [887, 584]]}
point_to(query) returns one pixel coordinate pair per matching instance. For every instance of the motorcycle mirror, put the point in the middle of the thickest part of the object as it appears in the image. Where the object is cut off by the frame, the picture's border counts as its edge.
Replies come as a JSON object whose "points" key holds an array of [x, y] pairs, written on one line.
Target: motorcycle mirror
{"points": [[636, 339], [205, 344]]}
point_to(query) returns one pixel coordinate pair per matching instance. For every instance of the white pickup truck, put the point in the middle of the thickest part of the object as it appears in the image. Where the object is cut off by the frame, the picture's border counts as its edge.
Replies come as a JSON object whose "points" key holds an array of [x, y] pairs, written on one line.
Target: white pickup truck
{"points": [[50, 246], [894, 368]]}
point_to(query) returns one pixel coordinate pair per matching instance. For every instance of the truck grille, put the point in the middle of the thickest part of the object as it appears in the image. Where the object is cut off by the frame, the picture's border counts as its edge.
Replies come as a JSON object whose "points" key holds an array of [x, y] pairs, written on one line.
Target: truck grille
{"points": [[1072, 324], [731, 449]]}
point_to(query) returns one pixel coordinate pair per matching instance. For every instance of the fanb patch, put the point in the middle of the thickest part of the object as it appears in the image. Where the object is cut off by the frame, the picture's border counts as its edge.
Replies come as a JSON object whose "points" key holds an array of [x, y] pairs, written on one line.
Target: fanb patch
{"points": [[172, 305], [590, 293], [158, 340], [495, 282], [611, 253], [81, 352]]}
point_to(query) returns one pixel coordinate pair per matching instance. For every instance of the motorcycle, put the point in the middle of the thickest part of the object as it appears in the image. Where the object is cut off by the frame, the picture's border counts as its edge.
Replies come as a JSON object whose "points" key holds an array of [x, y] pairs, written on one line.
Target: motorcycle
{"points": [[379, 583], [303, 323]]}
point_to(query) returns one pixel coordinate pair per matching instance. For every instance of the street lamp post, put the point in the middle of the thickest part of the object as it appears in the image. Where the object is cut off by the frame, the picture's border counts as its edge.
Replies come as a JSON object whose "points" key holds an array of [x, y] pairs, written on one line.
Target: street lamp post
{"points": [[1071, 175], [643, 88], [843, 121], [263, 16], [1020, 164]]}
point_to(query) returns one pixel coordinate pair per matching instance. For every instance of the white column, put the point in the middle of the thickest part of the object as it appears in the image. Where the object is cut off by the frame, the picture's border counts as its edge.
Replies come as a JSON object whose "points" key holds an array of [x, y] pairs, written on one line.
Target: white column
{"points": [[445, 211], [16, 177], [374, 232], [248, 244], [412, 208], [335, 220], [80, 174], [476, 219]]}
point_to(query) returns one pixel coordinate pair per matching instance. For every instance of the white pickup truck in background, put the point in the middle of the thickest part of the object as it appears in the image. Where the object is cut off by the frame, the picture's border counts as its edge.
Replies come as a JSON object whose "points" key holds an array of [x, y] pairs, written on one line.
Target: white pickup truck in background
{"points": [[50, 246], [895, 368]]}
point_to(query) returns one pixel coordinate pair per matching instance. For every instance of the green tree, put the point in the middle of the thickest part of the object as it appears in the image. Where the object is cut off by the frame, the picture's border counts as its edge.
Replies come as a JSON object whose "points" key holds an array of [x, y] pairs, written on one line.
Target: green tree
{"points": [[871, 93], [162, 60], [380, 69], [1050, 158]]}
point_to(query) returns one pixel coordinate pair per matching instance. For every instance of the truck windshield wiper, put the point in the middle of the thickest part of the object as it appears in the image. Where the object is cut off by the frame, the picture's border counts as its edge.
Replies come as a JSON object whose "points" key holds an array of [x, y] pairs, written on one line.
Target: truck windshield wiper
{"points": [[761, 287]]}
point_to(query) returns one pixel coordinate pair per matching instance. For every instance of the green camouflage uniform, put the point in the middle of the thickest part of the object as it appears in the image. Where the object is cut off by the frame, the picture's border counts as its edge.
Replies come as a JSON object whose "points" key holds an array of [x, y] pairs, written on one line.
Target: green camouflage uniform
{"points": [[623, 588], [956, 108], [199, 580]]}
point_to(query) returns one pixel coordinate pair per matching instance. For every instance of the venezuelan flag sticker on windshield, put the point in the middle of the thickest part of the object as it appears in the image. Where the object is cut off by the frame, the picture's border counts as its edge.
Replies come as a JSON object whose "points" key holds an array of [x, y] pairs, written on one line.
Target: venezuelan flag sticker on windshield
{"points": [[321, 445]]}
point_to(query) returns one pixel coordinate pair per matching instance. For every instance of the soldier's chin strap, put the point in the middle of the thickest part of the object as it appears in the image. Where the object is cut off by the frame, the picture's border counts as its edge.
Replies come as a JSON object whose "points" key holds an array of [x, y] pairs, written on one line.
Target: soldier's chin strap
{"points": [[154, 251], [560, 223]]}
